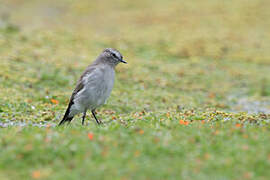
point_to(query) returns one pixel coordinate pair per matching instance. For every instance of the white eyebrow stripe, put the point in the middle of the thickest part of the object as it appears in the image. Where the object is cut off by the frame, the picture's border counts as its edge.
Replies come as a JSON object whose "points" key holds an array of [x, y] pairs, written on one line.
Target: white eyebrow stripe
{"points": [[117, 54]]}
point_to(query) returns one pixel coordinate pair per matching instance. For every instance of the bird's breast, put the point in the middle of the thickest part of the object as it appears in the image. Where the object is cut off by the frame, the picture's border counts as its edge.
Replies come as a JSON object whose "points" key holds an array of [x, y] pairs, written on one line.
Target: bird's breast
{"points": [[107, 83], [99, 88]]}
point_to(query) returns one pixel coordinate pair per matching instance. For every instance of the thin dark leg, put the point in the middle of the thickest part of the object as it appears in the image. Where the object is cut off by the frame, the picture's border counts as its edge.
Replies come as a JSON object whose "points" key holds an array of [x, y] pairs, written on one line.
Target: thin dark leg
{"points": [[94, 114], [83, 117]]}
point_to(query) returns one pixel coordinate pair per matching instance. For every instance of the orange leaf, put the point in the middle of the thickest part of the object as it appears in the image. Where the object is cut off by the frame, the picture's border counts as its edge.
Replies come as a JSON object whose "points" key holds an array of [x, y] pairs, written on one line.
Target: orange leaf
{"points": [[211, 95], [216, 132], [245, 136], [54, 101], [203, 121], [141, 131], [247, 175], [182, 122], [90, 136], [36, 174], [206, 156], [238, 125], [137, 153]]}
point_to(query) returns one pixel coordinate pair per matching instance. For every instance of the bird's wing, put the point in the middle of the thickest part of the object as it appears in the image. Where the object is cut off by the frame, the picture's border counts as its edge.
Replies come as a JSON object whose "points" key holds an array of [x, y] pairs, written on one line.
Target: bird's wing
{"points": [[80, 83], [78, 88]]}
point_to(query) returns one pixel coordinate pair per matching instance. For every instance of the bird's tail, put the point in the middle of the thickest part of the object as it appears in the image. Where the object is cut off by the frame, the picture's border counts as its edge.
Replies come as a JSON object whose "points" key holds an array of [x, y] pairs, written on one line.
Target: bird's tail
{"points": [[66, 117]]}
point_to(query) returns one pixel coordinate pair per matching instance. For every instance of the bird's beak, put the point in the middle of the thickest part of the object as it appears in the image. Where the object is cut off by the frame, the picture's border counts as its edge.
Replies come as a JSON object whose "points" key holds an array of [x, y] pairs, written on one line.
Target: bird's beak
{"points": [[123, 61]]}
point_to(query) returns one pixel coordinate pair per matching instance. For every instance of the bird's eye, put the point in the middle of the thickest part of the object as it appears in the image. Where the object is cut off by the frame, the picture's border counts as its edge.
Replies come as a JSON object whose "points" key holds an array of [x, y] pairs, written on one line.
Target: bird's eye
{"points": [[114, 55]]}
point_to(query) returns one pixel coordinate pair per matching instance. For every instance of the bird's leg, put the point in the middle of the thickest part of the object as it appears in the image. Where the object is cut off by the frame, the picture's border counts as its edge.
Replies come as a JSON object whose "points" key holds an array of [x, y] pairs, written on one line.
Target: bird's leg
{"points": [[83, 117], [94, 114]]}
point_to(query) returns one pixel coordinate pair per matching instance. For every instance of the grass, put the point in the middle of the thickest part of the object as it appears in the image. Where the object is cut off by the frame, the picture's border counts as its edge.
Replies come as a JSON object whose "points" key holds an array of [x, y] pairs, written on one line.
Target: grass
{"points": [[175, 111], [144, 149]]}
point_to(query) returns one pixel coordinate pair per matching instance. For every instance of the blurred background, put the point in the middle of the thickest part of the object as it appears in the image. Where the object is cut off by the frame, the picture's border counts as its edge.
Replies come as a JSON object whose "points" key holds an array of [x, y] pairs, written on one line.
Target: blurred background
{"points": [[212, 29], [181, 53], [193, 102]]}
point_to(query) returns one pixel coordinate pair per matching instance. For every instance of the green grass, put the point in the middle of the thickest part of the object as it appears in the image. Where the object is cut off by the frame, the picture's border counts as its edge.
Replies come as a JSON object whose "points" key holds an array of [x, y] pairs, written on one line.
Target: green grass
{"points": [[178, 109], [165, 150]]}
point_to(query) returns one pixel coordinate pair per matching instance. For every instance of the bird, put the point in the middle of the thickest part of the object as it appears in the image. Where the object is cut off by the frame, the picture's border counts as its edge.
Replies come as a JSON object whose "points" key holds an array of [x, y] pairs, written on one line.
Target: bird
{"points": [[94, 86]]}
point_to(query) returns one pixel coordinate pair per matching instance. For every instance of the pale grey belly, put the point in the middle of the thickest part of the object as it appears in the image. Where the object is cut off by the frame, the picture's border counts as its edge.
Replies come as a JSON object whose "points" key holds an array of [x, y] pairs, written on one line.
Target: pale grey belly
{"points": [[92, 96], [96, 96]]}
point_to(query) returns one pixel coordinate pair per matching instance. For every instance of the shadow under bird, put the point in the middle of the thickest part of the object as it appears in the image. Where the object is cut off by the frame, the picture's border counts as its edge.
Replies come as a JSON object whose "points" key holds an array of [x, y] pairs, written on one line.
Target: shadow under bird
{"points": [[94, 86]]}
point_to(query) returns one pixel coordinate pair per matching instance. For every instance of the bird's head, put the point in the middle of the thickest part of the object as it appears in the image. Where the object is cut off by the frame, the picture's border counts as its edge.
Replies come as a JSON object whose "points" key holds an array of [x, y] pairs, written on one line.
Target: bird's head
{"points": [[112, 56]]}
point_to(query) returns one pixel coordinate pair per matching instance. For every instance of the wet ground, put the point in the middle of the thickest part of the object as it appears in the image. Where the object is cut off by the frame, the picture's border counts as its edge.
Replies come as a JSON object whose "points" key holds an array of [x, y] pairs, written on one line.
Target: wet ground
{"points": [[7, 123], [249, 105]]}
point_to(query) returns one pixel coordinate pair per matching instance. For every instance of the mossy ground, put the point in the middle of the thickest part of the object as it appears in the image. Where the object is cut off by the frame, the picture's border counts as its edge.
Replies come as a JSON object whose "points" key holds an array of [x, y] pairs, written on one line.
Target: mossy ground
{"points": [[174, 112]]}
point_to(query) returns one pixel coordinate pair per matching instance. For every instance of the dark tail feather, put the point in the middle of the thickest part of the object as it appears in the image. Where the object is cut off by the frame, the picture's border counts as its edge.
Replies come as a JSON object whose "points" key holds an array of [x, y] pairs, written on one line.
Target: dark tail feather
{"points": [[66, 118]]}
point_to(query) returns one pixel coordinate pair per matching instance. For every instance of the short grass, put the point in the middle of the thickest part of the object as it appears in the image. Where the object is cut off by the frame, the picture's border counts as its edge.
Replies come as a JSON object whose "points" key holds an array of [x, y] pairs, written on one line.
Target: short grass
{"points": [[192, 103]]}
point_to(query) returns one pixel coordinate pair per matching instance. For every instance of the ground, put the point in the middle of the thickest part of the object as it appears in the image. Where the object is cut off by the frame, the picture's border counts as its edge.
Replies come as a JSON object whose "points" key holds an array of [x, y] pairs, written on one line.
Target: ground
{"points": [[193, 102]]}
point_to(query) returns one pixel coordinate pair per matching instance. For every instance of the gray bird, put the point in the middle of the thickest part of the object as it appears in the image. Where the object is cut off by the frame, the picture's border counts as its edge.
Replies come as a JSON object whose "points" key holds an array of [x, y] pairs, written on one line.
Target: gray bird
{"points": [[94, 86]]}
